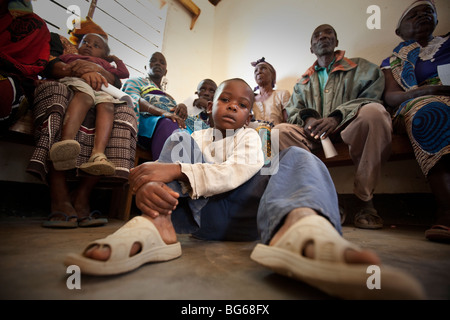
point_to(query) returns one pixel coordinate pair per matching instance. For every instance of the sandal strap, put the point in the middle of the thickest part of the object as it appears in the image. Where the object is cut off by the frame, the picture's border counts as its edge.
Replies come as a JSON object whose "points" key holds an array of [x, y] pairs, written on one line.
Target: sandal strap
{"points": [[61, 214], [97, 157]]}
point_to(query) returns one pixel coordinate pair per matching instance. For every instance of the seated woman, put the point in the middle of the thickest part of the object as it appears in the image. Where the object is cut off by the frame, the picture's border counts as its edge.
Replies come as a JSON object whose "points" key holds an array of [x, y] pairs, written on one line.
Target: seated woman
{"points": [[71, 208], [268, 109], [269, 102], [421, 103], [158, 113]]}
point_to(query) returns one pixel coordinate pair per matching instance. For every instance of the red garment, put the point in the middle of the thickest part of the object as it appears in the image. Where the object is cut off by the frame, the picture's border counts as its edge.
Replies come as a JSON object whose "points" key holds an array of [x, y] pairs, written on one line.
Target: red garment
{"points": [[121, 71], [24, 45]]}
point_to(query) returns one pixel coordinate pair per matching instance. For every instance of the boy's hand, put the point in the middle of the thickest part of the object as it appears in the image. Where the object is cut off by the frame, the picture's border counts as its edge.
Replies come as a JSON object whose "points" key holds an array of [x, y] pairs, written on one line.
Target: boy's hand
{"points": [[95, 80], [153, 171], [156, 198]]}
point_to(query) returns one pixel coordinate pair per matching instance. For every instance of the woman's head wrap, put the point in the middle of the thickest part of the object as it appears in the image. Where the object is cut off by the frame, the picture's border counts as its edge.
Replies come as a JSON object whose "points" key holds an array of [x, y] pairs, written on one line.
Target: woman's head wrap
{"points": [[412, 6], [271, 69]]}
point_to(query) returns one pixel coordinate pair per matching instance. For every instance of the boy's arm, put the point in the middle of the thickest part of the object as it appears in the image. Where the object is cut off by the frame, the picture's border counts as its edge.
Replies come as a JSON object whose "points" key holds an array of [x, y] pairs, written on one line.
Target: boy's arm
{"points": [[121, 71]]}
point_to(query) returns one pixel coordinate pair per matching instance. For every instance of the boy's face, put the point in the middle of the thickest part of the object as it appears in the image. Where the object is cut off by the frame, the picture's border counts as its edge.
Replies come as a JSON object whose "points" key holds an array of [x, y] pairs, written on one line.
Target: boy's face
{"points": [[206, 90], [231, 106], [93, 46]]}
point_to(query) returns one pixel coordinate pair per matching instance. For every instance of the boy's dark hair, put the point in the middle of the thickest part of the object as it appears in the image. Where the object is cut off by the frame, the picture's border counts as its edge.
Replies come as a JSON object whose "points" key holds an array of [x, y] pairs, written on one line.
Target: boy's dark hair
{"points": [[236, 79]]}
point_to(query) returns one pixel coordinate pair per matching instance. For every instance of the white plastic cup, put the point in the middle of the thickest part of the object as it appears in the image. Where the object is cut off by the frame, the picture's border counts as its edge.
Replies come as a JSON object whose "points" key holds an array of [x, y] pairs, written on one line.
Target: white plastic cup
{"points": [[328, 147]]}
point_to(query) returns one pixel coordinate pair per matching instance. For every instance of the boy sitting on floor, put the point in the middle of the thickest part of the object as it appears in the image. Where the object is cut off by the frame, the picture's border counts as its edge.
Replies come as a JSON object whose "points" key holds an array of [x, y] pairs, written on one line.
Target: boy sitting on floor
{"points": [[212, 184]]}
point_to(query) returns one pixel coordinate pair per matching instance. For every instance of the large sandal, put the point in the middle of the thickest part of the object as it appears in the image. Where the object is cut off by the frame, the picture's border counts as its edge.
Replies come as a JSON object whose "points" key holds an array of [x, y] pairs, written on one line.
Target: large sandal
{"points": [[328, 271], [138, 229], [64, 154], [99, 165]]}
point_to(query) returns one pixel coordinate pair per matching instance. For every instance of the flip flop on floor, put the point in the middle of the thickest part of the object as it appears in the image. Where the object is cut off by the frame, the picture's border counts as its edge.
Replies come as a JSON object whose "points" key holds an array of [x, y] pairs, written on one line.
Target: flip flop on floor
{"points": [[64, 154], [438, 233], [327, 271], [99, 165], [67, 223], [92, 220], [138, 229]]}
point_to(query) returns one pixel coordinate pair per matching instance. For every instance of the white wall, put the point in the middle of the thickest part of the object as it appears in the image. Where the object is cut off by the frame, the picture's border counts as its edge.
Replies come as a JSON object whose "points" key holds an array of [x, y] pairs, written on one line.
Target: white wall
{"points": [[189, 53], [281, 32]]}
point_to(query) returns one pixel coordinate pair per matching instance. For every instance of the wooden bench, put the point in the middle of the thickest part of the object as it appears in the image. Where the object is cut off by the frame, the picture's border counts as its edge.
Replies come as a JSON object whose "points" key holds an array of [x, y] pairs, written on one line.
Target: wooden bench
{"points": [[401, 150], [20, 136]]}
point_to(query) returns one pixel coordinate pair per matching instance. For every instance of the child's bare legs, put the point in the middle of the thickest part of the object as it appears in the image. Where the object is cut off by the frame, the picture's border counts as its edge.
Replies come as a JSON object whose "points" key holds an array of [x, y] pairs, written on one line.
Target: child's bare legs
{"points": [[75, 114], [98, 164], [164, 225], [104, 119]]}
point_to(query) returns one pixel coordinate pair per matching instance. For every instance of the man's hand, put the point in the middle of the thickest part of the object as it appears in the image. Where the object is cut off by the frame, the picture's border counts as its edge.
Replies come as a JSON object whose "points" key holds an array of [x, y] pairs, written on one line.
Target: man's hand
{"points": [[156, 198], [316, 127]]}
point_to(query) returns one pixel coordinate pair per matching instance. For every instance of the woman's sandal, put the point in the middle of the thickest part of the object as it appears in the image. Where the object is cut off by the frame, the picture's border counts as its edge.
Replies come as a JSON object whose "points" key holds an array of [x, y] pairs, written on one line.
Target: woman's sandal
{"points": [[92, 220], [138, 229], [64, 222], [64, 154], [328, 271], [99, 165]]}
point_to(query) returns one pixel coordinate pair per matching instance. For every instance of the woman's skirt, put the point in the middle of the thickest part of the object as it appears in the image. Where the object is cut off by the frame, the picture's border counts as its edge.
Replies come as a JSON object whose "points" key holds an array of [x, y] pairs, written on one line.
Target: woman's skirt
{"points": [[51, 101], [427, 123]]}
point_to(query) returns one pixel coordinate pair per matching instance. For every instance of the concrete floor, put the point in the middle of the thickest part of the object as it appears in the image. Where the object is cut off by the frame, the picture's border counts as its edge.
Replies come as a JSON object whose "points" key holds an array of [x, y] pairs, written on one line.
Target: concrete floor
{"points": [[31, 266], [31, 257]]}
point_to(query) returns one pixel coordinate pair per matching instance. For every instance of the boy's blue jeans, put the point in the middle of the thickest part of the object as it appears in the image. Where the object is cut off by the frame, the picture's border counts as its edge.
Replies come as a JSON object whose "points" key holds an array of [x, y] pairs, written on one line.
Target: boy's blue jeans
{"points": [[256, 209]]}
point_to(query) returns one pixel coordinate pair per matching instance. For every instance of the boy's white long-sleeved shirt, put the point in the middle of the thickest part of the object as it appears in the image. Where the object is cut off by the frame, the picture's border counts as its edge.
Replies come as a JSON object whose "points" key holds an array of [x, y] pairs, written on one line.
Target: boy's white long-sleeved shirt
{"points": [[230, 162]]}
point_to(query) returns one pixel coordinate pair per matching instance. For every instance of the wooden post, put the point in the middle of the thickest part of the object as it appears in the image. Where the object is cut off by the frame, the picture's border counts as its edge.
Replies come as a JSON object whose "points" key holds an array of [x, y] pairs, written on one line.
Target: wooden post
{"points": [[92, 8]]}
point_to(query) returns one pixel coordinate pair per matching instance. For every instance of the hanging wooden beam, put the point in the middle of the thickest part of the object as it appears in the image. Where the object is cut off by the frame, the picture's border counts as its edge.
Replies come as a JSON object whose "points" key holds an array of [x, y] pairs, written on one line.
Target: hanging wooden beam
{"points": [[193, 9]]}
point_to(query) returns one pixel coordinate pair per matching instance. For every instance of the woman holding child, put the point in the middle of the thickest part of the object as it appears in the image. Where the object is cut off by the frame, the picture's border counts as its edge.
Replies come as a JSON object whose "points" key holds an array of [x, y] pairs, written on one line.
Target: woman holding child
{"points": [[71, 208]]}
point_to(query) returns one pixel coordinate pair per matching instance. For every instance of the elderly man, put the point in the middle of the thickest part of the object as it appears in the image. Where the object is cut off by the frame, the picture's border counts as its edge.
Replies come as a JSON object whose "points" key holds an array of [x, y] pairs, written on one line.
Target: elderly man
{"points": [[341, 98]]}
